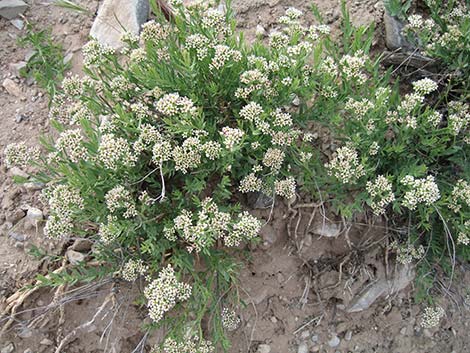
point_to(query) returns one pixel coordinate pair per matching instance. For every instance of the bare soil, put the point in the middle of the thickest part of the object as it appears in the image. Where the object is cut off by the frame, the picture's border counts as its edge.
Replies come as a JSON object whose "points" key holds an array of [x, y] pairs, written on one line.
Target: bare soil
{"points": [[297, 285]]}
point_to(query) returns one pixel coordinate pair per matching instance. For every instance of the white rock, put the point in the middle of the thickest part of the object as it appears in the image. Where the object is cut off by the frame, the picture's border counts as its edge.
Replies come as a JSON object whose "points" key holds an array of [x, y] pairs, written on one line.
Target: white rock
{"points": [[17, 172], [334, 341], [117, 16], [264, 348], [11, 87], [9, 348], [75, 257], [303, 348], [34, 216], [260, 31], [17, 23], [327, 229], [12, 8]]}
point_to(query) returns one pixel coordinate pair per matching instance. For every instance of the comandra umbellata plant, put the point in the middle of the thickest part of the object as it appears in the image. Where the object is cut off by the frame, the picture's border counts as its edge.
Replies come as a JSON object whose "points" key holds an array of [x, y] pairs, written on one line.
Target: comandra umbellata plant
{"points": [[157, 144]]}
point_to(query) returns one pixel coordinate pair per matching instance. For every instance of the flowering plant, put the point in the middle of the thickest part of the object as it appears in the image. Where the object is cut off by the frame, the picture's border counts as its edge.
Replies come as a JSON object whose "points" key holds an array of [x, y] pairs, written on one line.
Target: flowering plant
{"points": [[157, 147]]}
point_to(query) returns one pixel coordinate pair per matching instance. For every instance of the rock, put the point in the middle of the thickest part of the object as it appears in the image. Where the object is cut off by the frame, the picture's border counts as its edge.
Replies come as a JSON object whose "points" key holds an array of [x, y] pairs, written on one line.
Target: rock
{"points": [[303, 348], [11, 87], [46, 342], [75, 257], [296, 101], [25, 332], [20, 117], [327, 229], [34, 216], [348, 335], [82, 245], [314, 338], [269, 236], [382, 287], [263, 348], [258, 200], [334, 341], [9, 348], [115, 17], [305, 334], [394, 38], [28, 351], [403, 331], [15, 68], [15, 216], [10, 9], [5, 228], [17, 172], [32, 186], [17, 236], [260, 31], [68, 58], [17, 23]]}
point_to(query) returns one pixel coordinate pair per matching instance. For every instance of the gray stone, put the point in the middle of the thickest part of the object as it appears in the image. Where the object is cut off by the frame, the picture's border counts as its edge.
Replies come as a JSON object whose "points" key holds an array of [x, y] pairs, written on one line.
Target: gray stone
{"points": [[25, 332], [17, 236], [260, 31], [28, 351], [394, 38], [314, 338], [20, 117], [15, 216], [17, 23], [11, 9], [327, 229], [11, 87], [46, 342], [334, 341], [263, 348], [348, 335], [5, 228], [33, 186], [15, 68], [75, 257], [305, 334], [9, 348], [258, 200], [82, 245], [383, 287], [117, 16], [303, 348]]}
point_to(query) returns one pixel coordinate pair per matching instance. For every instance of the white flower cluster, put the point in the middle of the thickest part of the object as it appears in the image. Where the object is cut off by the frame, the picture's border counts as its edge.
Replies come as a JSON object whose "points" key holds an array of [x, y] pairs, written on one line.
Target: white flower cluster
{"points": [[278, 40], [138, 55], [224, 54], [19, 155], [251, 112], [431, 317], [215, 20], [120, 85], [173, 104], [353, 66], [95, 54], [345, 165], [380, 191], [70, 142], [76, 113], [120, 198], [422, 191], [163, 293], [407, 253], [459, 117], [464, 234], [188, 345], [63, 201], [245, 229], [424, 86], [273, 158], [281, 118], [148, 136], [250, 183], [108, 232], [154, 32], [417, 22], [115, 152], [75, 86], [232, 137], [358, 108], [199, 43], [230, 319], [212, 149], [132, 269], [188, 155], [285, 188], [460, 196]]}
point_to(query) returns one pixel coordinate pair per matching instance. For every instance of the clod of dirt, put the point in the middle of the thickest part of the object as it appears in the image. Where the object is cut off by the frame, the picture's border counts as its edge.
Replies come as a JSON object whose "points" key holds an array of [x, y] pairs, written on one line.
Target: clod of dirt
{"points": [[382, 287], [15, 216], [115, 17], [10, 9], [82, 245], [15, 68]]}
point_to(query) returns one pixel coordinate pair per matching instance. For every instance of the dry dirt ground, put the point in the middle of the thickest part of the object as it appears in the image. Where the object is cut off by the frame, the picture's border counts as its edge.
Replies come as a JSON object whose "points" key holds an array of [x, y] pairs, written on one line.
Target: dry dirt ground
{"points": [[298, 287]]}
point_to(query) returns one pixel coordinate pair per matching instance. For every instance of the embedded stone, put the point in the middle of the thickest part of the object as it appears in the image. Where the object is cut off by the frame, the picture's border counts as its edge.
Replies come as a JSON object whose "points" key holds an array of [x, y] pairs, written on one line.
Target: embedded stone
{"points": [[116, 17], [10, 9]]}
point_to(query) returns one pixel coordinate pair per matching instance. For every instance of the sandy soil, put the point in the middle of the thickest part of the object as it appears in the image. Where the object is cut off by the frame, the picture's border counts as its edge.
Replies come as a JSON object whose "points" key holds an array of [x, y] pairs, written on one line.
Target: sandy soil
{"points": [[297, 285]]}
